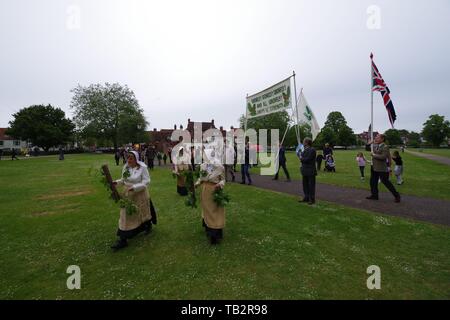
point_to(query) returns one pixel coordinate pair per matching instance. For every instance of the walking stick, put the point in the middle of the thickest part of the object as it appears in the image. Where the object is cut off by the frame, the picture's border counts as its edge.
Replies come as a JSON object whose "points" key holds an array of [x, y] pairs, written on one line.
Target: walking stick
{"points": [[114, 193]]}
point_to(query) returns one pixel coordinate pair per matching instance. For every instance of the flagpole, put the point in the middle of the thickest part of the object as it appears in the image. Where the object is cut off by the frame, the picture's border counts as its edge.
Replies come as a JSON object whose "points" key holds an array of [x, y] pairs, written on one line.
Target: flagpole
{"points": [[297, 130], [371, 101], [246, 114], [299, 99]]}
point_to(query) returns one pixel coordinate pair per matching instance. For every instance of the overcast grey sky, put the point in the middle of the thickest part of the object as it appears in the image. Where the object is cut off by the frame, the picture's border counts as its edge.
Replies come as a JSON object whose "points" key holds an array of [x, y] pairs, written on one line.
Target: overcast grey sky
{"points": [[199, 59]]}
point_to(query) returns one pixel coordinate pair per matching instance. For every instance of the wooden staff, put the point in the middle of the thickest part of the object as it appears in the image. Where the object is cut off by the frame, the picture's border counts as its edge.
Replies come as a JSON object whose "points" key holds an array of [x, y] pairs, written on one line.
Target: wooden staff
{"points": [[114, 193]]}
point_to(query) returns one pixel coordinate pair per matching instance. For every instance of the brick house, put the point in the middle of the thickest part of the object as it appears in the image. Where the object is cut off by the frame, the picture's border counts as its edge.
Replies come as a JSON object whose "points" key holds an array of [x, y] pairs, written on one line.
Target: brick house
{"points": [[161, 138]]}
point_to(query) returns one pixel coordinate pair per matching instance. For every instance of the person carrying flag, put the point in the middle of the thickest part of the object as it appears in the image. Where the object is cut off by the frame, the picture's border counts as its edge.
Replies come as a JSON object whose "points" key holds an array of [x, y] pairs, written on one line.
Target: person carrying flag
{"points": [[379, 169]]}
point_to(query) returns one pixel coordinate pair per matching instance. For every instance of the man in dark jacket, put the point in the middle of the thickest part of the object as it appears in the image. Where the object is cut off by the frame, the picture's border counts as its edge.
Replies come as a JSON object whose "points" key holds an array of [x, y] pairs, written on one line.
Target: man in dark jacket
{"points": [[150, 156], [245, 167], [282, 163], [379, 169], [309, 172], [14, 155]]}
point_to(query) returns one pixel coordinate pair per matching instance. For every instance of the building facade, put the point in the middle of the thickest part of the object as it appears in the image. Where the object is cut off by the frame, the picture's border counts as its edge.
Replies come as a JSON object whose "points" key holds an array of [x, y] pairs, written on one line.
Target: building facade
{"points": [[161, 139], [8, 143]]}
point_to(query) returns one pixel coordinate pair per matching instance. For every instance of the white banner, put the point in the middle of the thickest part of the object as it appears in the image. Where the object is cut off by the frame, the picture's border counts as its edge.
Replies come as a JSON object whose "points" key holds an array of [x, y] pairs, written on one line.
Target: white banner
{"points": [[305, 115], [274, 99]]}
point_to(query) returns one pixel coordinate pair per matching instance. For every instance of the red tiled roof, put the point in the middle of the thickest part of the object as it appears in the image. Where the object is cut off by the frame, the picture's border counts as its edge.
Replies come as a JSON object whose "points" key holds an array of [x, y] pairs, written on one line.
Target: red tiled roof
{"points": [[205, 126], [3, 136]]}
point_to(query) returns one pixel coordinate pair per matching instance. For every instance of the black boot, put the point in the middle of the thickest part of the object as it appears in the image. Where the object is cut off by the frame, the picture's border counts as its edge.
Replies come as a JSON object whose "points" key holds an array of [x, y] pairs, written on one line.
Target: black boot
{"points": [[120, 244], [148, 228], [213, 240]]}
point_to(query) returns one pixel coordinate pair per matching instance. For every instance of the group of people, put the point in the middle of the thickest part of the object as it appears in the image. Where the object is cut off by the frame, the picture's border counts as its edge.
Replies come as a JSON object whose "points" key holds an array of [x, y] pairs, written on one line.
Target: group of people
{"points": [[147, 154], [135, 179], [327, 156], [379, 172], [13, 154], [395, 157]]}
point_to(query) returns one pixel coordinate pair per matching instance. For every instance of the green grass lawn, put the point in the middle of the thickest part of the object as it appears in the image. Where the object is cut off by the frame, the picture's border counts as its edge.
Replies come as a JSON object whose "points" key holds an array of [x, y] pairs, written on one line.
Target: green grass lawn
{"points": [[55, 215], [438, 152], [422, 177]]}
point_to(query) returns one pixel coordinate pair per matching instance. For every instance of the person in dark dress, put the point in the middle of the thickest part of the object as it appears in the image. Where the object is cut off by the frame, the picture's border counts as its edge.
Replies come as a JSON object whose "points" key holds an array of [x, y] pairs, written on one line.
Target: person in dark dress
{"points": [[124, 154], [117, 156], [319, 160], [159, 157], [282, 163], [308, 171], [1, 154], [61, 153]]}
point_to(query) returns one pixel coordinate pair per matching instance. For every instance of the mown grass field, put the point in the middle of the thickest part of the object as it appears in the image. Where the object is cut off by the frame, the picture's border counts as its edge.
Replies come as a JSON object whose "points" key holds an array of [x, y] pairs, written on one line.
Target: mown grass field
{"points": [[438, 152], [422, 177], [53, 214]]}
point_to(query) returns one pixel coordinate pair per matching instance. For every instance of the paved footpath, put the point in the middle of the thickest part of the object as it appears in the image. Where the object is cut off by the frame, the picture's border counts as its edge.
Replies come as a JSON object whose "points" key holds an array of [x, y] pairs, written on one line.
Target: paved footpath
{"points": [[413, 207], [440, 159]]}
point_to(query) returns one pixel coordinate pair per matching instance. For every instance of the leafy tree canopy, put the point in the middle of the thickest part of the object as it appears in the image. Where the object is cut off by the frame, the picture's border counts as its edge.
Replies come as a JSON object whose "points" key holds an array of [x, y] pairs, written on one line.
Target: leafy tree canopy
{"points": [[108, 112], [45, 126], [436, 129]]}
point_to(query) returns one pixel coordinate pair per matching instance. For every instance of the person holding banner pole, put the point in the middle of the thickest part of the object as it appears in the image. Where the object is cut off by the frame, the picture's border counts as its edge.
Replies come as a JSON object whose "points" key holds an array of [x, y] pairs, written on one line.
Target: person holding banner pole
{"points": [[308, 171], [245, 167], [297, 130], [282, 163]]}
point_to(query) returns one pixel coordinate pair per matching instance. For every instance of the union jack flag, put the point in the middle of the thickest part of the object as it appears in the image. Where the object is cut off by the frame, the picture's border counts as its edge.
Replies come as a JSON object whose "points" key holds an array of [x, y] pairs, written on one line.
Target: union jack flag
{"points": [[378, 84]]}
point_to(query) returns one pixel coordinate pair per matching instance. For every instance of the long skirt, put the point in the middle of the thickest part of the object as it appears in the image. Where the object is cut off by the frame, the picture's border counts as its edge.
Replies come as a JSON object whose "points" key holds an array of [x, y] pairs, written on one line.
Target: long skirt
{"points": [[141, 220], [213, 216], [181, 186]]}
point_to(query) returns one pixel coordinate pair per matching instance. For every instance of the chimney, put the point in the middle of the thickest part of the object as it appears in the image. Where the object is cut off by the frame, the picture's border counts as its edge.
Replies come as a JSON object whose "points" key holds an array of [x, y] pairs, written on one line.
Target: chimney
{"points": [[174, 127]]}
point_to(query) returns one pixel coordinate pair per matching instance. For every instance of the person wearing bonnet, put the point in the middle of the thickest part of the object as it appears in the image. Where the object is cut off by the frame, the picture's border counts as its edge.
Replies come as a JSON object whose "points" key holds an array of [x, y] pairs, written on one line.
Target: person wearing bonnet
{"points": [[135, 179], [181, 165], [213, 177]]}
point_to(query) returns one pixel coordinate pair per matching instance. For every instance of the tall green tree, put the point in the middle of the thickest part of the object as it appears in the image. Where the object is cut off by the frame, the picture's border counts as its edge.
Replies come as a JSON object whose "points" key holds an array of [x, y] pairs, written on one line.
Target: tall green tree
{"points": [[413, 139], [326, 135], [108, 112], [291, 136], [335, 121], [45, 126], [336, 131], [436, 129], [346, 136], [393, 137], [278, 120]]}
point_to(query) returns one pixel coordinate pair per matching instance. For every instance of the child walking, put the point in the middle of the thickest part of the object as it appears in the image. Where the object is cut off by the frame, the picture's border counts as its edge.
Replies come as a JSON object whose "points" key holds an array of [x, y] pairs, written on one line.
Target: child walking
{"points": [[361, 163], [398, 169]]}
